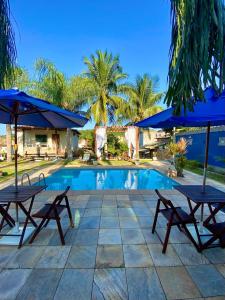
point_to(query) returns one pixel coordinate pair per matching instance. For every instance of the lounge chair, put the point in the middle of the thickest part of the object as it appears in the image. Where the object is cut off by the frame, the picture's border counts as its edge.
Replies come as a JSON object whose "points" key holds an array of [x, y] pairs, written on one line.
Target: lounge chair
{"points": [[52, 212], [176, 216]]}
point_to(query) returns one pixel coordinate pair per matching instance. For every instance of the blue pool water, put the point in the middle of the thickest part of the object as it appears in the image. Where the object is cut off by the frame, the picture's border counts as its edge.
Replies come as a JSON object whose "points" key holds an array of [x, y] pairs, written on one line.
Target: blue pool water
{"points": [[108, 179]]}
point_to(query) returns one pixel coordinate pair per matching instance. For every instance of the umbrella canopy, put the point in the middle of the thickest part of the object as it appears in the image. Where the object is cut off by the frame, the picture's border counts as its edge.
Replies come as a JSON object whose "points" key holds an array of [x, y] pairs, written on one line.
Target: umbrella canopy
{"points": [[18, 108], [211, 112], [35, 112]]}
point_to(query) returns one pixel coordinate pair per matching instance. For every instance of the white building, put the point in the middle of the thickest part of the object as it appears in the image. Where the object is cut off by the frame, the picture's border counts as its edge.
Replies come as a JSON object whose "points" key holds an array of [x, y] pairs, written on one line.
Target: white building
{"points": [[34, 141]]}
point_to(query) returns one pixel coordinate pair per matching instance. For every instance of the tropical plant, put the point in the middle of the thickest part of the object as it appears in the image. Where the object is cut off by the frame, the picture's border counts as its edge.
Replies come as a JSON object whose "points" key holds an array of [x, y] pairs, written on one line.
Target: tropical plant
{"points": [[178, 150], [52, 85], [197, 51], [21, 81], [105, 73], [142, 99], [7, 44]]}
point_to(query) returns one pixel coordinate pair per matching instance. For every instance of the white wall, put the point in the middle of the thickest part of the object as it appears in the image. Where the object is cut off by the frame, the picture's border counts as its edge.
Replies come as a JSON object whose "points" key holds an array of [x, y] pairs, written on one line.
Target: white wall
{"points": [[27, 142]]}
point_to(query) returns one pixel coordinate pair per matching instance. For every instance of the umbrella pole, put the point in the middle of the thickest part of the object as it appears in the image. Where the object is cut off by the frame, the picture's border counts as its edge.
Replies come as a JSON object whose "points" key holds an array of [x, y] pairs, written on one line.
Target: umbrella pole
{"points": [[206, 157], [15, 153]]}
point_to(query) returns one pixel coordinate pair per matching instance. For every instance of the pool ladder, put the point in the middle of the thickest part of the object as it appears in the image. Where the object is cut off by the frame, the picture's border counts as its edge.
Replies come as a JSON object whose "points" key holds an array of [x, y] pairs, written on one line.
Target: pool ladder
{"points": [[40, 178]]}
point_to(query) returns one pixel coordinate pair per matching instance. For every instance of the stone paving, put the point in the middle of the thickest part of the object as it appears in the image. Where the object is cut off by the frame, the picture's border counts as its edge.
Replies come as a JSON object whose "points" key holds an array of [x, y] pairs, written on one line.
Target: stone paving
{"points": [[111, 254]]}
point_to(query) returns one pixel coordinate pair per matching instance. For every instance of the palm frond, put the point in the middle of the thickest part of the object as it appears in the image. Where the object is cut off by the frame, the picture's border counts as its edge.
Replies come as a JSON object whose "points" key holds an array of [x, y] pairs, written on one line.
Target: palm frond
{"points": [[7, 45]]}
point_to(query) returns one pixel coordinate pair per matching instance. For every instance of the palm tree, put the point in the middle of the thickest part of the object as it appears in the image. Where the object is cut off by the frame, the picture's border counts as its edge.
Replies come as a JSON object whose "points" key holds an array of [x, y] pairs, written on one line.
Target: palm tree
{"points": [[7, 57], [142, 99], [52, 85], [105, 73], [7, 44], [197, 51]]}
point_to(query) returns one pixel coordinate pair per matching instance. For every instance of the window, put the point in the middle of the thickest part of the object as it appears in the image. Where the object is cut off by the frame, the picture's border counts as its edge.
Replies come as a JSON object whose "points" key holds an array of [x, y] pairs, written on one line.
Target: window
{"points": [[41, 138]]}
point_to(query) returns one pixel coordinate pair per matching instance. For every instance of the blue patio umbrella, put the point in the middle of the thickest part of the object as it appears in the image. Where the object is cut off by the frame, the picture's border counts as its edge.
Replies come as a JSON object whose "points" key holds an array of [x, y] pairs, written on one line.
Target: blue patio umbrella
{"points": [[211, 112], [19, 108]]}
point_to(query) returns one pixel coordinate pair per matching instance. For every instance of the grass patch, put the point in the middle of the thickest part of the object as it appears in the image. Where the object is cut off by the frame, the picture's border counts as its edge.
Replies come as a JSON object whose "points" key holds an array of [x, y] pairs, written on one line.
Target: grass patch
{"points": [[197, 168], [23, 166]]}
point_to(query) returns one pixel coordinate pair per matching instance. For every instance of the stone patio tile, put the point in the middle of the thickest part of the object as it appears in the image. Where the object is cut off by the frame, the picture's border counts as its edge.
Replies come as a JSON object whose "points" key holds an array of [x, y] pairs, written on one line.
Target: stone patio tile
{"points": [[41, 284], [122, 197], [86, 237], [150, 238], [109, 222], [75, 284], [143, 284], [152, 205], [6, 254], [89, 223], [145, 222], [139, 204], [68, 237], [142, 212], [170, 258], [137, 256], [213, 298], [189, 255], [44, 237], [81, 257], [79, 203], [11, 282], [129, 222], [126, 212], [109, 203], [92, 212], [109, 256], [26, 257], [94, 204], [215, 255], [176, 237], [109, 197], [54, 257], [95, 198], [123, 203], [132, 236], [134, 197], [208, 279], [221, 268], [109, 212], [109, 237], [177, 283], [110, 284]]}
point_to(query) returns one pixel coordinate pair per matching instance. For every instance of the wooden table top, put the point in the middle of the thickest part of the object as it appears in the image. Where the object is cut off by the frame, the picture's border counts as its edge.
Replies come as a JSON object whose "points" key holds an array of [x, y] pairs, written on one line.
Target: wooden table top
{"points": [[24, 193], [196, 194]]}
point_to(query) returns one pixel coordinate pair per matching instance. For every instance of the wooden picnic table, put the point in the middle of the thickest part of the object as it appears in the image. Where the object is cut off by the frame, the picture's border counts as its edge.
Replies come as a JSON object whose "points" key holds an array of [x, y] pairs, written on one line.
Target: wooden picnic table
{"points": [[9, 195]]}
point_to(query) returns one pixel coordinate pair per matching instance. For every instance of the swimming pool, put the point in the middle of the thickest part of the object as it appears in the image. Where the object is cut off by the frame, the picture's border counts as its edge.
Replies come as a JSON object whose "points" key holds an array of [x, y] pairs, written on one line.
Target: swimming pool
{"points": [[108, 179]]}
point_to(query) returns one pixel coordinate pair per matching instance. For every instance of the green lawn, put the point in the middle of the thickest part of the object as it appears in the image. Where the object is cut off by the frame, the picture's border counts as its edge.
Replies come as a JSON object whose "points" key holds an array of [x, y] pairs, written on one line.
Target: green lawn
{"points": [[193, 167], [23, 166]]}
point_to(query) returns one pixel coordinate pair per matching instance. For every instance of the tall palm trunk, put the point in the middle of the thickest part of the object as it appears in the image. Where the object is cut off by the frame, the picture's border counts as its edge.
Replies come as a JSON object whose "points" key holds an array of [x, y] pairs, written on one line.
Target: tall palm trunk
{"points": [[9, 142], [68, 143]]}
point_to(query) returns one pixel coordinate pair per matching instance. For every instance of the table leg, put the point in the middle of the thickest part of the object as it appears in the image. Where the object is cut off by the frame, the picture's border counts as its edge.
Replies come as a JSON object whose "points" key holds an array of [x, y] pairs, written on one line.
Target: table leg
{"points": [[27, 213], [28, 217], [214, 212], [199, 248]]}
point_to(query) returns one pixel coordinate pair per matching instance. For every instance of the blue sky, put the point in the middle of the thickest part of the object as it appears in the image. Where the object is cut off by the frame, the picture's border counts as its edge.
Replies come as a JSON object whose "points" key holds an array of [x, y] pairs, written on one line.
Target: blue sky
{"points": [[66, 31]]}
